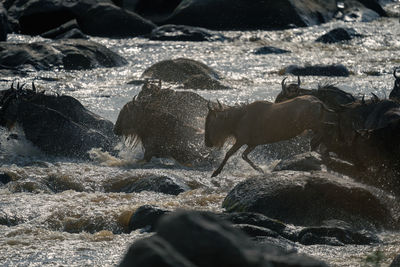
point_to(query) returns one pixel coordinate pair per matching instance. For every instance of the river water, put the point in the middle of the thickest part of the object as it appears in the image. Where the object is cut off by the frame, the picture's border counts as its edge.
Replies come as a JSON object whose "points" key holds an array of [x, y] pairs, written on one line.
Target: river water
{"points": [[84, 223]]}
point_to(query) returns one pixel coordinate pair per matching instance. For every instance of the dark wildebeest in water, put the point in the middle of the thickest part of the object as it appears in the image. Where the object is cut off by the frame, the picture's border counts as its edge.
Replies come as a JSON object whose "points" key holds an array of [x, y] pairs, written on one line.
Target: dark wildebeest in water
{"points": [[395, 93], [168, 123], [329, 94], [261, 122], [57, 124]]}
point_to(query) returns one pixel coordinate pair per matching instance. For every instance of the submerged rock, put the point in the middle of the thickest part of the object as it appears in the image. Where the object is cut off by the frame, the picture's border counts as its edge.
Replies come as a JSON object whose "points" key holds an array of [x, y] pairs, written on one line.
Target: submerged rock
{"points": [[338, 35], [308, 199], [71, 54], [146, 217], [265, 50], [157, 183], [184, 33], [317, 70], [309, 161]]}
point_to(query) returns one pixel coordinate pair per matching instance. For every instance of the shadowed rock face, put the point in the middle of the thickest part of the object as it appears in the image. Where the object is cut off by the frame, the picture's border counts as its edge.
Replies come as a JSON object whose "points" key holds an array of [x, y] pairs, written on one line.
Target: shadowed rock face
{"points": [[168, 123], [305, 198], [58, 125]]}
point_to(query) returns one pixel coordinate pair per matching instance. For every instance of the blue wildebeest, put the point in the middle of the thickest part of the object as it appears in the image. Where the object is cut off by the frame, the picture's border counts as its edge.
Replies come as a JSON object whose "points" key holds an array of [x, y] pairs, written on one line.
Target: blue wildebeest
{"points": [[395, 93], [261, 122]]}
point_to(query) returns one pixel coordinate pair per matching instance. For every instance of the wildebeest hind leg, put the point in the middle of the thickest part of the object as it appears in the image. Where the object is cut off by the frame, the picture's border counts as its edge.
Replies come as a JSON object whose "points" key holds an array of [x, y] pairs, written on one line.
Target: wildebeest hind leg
{"points": [[244, 156], [231, 151]]}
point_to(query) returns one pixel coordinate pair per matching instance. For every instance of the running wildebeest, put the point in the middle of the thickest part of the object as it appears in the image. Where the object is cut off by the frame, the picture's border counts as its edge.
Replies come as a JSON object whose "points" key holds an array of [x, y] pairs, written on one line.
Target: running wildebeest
{"points": [[395, 93], [261, 122], [329, 94]]}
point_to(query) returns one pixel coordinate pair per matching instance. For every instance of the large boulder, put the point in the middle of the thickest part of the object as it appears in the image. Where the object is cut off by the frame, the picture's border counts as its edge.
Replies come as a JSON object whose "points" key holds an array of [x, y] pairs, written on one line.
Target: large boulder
{"points": [[202, 239], [191, 73], [309, 199], [58, 125], [258, 14], [168, 123], [3, 23], [338, 35], [68, 54], [95, 17]]}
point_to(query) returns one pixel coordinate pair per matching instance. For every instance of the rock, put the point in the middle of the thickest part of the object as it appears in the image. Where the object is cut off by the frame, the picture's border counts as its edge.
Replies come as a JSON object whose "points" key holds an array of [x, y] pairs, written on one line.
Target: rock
{"points": [[265, 50], [98, 18], [61, 183], [5, 178], [169, 124], [114, 23], [308, 161], [57, 125], [336, 236], [242, 15], [146, 217], [71, 54], [338, 35], [359, 14], [206, 240], [158, 183], [317, 70], [178, 70], [69, 30], [153, 251], [203, 82], [156, 10], [395, 262], [308, 199], [3, 23], [29, 184], [185, 34]]}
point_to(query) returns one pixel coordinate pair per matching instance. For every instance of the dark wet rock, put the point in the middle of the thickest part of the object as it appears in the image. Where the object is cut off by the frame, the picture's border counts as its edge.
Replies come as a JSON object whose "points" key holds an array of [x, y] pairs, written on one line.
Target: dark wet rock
{"points": [[3, 23], [5, 178], [395, 262], [158, 183], [98, 18], [179, 70], [9, 219], [338, 35], [318, 70], [71, 54], [359, 14], [169, 124], [309, 161], [336, 236], [254, 231], [242, 15], [60, 183], [265, 50], [154, 251], [29, 184], [69, 30], [146, 217], [185, 33], [57, 125], [308, 199], [114, 23]]}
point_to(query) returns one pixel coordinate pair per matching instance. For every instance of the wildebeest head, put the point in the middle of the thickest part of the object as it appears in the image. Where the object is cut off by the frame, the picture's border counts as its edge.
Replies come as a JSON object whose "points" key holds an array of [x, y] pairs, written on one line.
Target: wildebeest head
{"points": [[215, 134], [291, 91], [126, 122], [395, 93]]}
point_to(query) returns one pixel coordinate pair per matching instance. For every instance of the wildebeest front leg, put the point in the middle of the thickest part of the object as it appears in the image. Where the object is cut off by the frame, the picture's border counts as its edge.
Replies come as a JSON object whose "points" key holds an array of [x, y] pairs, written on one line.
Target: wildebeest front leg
{"points": [[231, 151], [244, 156]]}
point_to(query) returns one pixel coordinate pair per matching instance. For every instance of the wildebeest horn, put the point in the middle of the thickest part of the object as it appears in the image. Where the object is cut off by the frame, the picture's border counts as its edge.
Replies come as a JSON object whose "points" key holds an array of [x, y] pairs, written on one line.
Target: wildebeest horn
{"points": [[298, 80], [394, 73], [363, 100], [12, 86], [376, 98], [134, 98], [283, 84], [159, 83], [219, 104], [20, 88], [33, 87]]}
